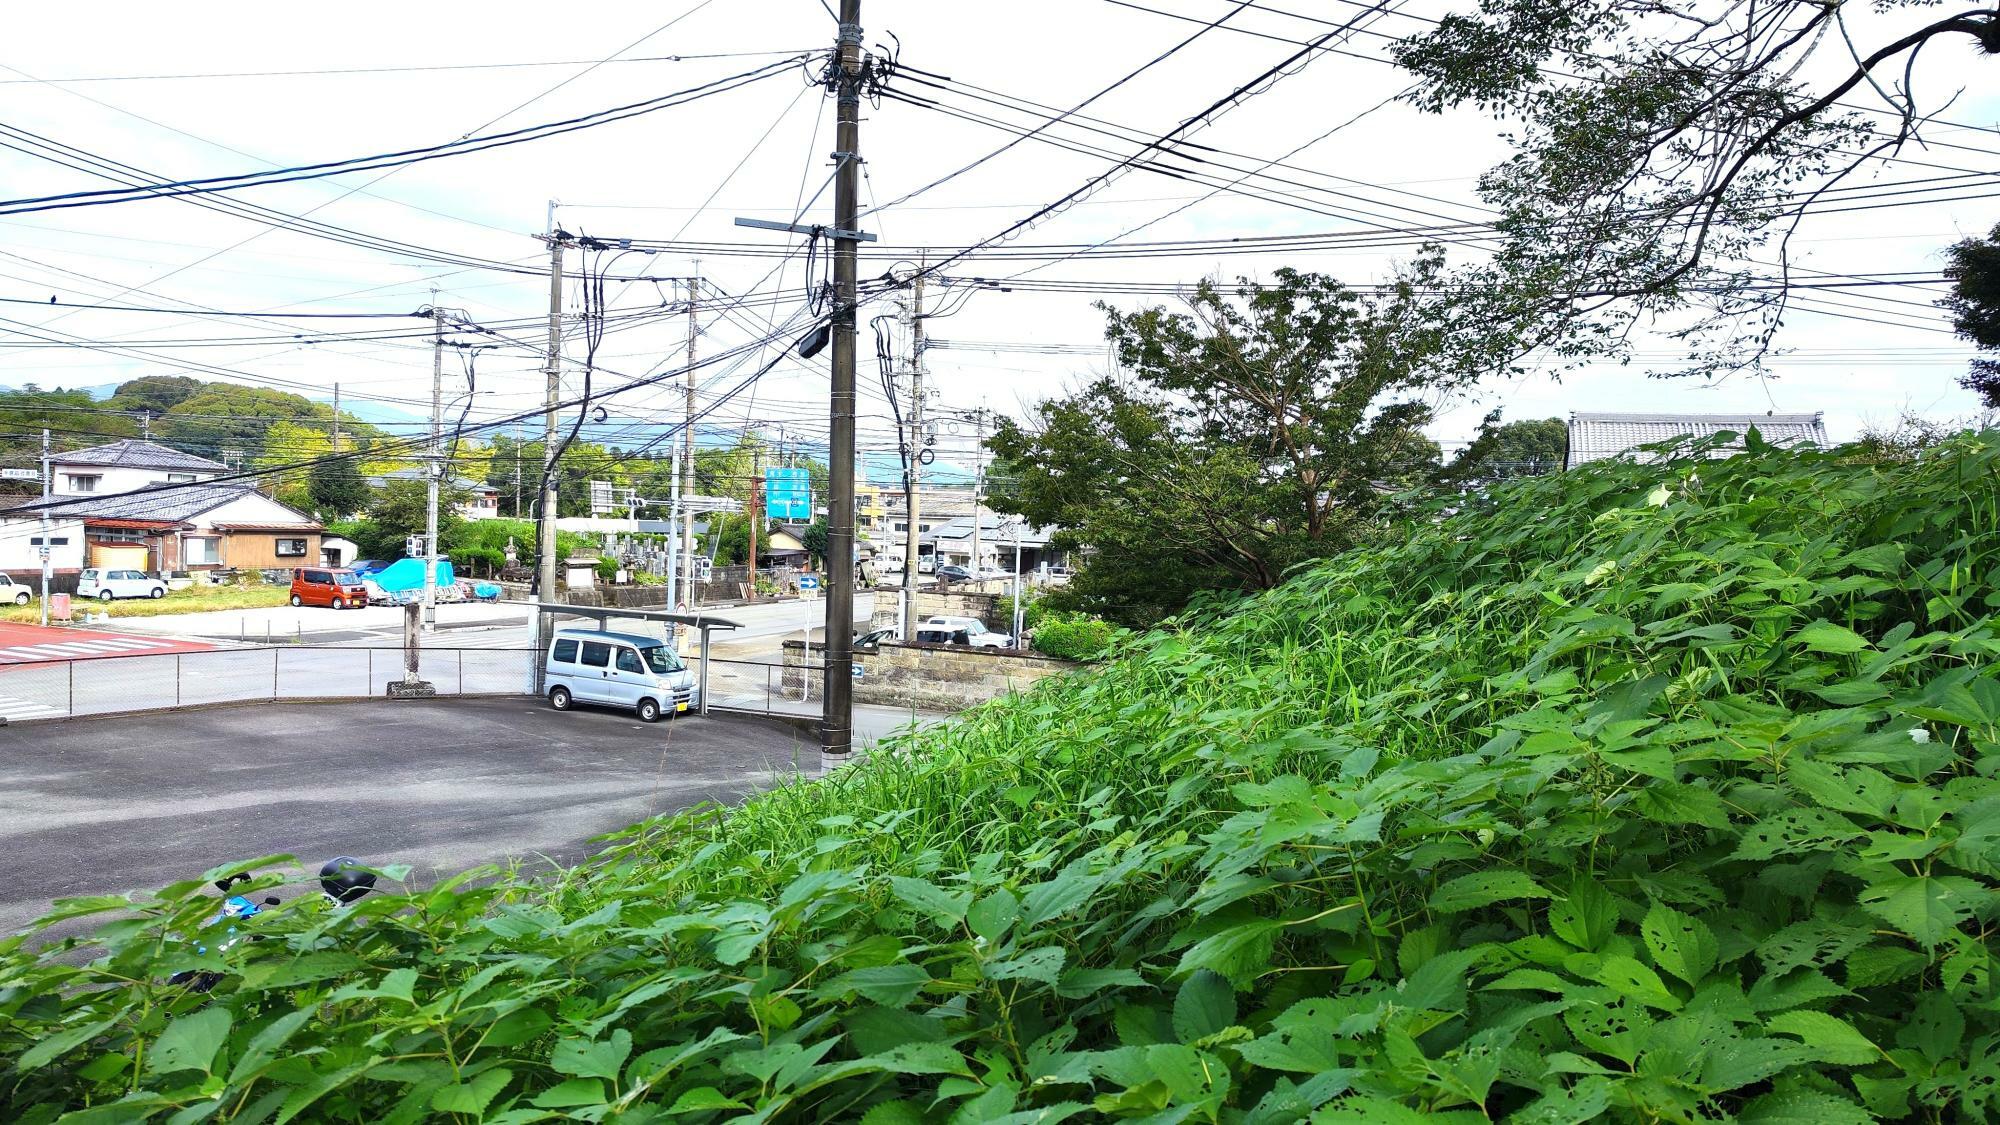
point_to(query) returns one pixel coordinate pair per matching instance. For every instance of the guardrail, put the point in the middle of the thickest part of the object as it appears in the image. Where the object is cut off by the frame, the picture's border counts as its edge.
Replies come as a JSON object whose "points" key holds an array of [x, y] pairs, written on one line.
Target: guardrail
{"points": [[57, 689]]}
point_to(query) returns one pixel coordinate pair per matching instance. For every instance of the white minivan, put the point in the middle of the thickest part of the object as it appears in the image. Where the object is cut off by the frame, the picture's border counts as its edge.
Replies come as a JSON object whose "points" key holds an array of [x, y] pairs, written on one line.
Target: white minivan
{"points": [[618, 670]]}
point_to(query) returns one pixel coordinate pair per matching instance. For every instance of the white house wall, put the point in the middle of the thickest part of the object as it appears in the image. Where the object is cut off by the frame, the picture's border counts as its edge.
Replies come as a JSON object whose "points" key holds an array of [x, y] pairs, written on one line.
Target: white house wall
{"points": [[112, 480], [251, 508], [19, 553]]}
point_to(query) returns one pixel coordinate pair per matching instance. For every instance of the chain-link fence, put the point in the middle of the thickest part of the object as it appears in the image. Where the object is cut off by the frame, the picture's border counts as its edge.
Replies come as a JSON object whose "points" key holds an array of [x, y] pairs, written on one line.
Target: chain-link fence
{"points": [[63, 688]]}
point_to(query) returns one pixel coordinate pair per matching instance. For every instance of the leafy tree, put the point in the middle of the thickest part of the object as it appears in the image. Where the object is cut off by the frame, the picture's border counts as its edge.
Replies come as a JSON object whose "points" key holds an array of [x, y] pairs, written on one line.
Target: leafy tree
{"points": [[25, 412], [155, 393], [336, 488], [1974, 303], [1247, 435], [222, 417], [1664, 154], [400, 510], [814, 540]]}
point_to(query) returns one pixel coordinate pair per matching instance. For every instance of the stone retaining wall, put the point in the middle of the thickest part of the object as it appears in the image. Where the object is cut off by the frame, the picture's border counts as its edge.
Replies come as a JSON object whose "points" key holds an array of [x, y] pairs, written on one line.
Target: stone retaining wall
{"points": [[924, 676]]}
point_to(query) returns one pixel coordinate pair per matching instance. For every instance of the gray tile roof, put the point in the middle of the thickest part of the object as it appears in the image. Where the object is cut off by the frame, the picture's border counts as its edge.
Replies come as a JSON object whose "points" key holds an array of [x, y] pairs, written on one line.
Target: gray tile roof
{"points": [[1595, 437], [132, 454], [166, 505]]}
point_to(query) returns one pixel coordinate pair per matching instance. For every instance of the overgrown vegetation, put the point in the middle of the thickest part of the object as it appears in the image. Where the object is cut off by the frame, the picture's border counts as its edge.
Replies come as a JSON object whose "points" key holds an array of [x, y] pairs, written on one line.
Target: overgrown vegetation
{"points": [[1637, 793], [198, 598], [1074, 636]]}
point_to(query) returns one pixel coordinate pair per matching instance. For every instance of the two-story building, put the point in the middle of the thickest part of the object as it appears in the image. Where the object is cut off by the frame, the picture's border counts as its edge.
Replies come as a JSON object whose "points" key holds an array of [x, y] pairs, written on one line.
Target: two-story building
{"points": [[140, 505], [478, 501]]}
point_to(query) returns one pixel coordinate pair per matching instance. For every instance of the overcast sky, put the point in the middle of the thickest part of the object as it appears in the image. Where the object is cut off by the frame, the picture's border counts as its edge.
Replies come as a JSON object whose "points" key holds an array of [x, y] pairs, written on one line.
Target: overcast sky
{"points": [[686, 173]]}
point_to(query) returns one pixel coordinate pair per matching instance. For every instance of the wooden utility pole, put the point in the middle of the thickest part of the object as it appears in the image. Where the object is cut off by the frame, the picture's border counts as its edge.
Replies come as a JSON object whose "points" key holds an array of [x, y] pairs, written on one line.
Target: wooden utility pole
{"points": [[336, 419], [756, 508], [837, 721]]}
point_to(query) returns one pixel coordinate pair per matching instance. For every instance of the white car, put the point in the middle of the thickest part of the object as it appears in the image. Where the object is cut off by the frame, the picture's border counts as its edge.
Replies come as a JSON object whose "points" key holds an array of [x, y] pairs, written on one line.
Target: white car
{"points": [[105, 585], [962, 630], [12, 591]]}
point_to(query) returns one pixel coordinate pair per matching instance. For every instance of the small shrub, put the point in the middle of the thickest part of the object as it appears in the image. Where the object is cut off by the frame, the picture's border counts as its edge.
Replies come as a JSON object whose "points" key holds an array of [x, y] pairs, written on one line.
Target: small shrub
{"points": [[1074, 636]]}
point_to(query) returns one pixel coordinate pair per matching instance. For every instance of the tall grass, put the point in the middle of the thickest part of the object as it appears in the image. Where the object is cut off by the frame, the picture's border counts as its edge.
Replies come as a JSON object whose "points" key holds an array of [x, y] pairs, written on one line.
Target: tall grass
{"points": [[1641, 793]]}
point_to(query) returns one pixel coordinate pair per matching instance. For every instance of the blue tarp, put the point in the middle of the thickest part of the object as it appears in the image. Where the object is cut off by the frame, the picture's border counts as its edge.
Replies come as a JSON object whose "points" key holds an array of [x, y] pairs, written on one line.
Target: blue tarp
{"points": [[408, 574]]}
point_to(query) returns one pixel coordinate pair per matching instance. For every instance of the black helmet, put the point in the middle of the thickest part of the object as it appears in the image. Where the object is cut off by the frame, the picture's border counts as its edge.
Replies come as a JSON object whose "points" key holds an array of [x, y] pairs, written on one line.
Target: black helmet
{"points": [[344, 879]]}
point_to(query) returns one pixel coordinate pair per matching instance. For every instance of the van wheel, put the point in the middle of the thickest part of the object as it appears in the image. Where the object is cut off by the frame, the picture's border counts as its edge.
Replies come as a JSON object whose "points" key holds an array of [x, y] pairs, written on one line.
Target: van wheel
{"points": [[296, 601], [159, 591], [559, 698], [649, 710], [339, 603]]}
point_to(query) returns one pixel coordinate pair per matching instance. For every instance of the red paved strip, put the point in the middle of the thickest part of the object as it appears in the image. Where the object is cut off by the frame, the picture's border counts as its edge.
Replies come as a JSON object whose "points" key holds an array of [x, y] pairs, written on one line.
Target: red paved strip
{"points": [[30, 644]]}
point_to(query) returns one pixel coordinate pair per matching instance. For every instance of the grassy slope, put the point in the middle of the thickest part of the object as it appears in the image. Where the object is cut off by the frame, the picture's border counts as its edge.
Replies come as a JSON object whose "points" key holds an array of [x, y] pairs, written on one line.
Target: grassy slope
{"points": [[1653, 795], [194, 599]]}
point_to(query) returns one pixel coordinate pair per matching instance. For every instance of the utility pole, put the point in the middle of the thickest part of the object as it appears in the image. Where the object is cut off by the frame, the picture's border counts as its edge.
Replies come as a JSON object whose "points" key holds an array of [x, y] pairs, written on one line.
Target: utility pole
{"points": [[756, 494], [674, 529], [545, 527], [146, 424], [47, 549], [837, 723], [336, 419], [913, 468], [687, 449], [434, 467], [978, 486]]}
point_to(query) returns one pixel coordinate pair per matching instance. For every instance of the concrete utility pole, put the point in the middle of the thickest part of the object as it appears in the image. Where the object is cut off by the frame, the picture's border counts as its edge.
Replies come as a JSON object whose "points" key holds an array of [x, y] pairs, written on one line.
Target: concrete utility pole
{"points": [[336, 419], [837, 722], [47, 548], [687, 449], [674, 517], [978, 486], [434, 466], [545, 527], [756, 490], [913, 470]]}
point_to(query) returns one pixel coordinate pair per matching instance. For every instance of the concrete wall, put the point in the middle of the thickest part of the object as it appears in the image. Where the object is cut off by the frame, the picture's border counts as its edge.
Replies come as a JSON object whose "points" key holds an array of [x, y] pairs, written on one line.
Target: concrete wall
{"points": [[928, 677], [934, 603]]}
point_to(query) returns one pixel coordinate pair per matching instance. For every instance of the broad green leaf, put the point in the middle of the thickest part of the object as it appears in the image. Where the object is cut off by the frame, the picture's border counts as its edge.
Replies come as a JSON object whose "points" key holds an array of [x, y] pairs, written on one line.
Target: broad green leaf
{"points": [[190, 1042], [572, 1092], [1825, 636], [1043, 964], [1831, 1038], [1058, 896], [1859, 789], [1586, 917], [1735, 1063], [1928, 908], [1680, 943], [889, 985], [1671, 802], [993, 915], [585, 1058], [59, 1044], [1205, 1004], [473, 1096], [1803, 1107], [947, 908], [1793, 831], [1482, 888], [1628, 977], [1585, 1101]]}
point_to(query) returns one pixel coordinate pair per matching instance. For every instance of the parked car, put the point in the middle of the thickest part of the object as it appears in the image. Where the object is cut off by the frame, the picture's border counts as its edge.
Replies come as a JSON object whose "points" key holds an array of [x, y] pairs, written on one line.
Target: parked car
{"points": [[870, 640], [105, 585], [954, 574], [12, 591], [336, 589], [963, 631], [618, 670]]}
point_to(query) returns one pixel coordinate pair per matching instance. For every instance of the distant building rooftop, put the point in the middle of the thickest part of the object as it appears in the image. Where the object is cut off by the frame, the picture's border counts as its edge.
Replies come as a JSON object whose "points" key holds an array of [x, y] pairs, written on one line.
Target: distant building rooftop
{"points": [[1595, 437], [130, 453]]}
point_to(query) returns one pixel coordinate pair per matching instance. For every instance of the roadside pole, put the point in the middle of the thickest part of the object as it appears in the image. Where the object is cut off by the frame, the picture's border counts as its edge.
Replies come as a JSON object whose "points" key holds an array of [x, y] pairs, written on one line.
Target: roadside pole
{"points": [[1017, 586], [674, 529], [978, 485], [434, 466], [687, 445], [913, 466], [837, 722], [47, 529], [756, 486], [545, 525]]}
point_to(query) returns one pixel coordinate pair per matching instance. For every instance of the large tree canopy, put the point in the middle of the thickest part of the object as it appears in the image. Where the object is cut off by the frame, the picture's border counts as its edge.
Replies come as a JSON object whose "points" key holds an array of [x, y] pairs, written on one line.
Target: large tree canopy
{"points": [[1254, 431], [1975, 308], [1664, 153]]}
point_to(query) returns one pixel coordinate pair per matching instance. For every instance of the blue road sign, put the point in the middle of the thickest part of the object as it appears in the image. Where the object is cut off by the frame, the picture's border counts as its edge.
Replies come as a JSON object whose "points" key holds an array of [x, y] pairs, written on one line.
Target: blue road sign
{"points": [[788, 494], [808, 581]]}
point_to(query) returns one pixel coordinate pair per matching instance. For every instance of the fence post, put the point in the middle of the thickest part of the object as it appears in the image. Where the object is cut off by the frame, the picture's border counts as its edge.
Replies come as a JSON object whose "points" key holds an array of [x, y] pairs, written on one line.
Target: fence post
{"points": [[461, 670], [274, 675], [177, 679], [72, 688], [368, 685]]}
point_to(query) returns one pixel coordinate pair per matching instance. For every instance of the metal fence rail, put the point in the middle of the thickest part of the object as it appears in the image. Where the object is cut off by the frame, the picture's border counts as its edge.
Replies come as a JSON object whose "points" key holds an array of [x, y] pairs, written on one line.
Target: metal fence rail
{"points": [[764, 687], [64, 688]]}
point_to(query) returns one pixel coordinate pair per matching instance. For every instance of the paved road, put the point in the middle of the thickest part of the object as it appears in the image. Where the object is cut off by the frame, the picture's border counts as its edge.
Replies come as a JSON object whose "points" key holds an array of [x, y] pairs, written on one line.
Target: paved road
{"points": [[105, 806]]}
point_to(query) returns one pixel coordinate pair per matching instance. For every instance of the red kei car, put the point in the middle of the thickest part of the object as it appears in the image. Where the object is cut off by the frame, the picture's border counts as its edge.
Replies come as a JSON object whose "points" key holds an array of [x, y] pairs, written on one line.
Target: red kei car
{"points": [[339, 589]]}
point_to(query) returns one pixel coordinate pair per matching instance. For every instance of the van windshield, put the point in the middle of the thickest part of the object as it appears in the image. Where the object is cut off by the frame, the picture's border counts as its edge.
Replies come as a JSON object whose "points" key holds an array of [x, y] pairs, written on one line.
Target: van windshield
{"points": [[661, 659]]}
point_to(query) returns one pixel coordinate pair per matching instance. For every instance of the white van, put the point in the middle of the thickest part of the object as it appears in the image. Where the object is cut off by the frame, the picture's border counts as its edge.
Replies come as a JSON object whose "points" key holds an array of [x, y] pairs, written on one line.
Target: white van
{"points": [[618, 670]]}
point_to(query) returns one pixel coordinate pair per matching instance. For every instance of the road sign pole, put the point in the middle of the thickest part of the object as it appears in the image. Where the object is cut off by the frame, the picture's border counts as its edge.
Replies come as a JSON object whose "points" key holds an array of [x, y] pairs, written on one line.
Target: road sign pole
{"points": [[48, 563]]}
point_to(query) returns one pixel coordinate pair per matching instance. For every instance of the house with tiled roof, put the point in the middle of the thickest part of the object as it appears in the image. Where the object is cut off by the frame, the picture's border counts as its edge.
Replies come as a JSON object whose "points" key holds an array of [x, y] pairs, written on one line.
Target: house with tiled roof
{"points": [[1597, 437], [139, 505]]}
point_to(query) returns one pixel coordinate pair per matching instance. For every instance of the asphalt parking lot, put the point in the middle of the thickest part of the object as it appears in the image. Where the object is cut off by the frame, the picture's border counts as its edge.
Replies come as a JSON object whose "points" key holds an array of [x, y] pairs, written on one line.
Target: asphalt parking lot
{"points": [[106, 806]]}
